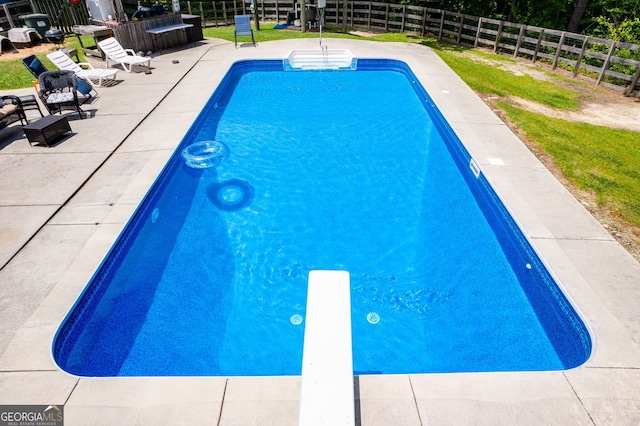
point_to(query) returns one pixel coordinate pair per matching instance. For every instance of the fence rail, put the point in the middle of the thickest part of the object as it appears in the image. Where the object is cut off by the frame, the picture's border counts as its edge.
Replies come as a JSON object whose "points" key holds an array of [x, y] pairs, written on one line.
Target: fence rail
{"points": [[607, 62]]}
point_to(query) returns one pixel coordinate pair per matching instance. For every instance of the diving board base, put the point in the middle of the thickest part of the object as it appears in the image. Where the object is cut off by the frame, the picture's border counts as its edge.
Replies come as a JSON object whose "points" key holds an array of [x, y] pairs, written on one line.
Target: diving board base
{"points": [[326, 391]]}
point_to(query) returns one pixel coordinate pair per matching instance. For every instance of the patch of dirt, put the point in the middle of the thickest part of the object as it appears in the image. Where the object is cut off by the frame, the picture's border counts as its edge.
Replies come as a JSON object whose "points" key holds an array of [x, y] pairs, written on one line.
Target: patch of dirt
{"points": [[623, 113], [26, 51], [366, 33], [600, 106]]}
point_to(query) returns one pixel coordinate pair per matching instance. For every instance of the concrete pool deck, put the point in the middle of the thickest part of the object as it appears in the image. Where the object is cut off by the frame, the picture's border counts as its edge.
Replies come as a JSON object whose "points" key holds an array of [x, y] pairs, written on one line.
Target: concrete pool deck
{"points": [[63, 207]]}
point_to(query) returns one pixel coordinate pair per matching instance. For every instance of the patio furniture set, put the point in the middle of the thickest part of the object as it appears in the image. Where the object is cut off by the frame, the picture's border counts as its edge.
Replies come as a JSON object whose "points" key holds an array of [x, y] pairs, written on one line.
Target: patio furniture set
{"points": [[66, 88]]}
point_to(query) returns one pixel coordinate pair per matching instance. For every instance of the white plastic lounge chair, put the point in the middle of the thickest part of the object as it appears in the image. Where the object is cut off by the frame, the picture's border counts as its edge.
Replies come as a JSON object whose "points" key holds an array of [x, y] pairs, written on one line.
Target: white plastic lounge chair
{"points": [[89, 74], [243, 27], [114, 52]]}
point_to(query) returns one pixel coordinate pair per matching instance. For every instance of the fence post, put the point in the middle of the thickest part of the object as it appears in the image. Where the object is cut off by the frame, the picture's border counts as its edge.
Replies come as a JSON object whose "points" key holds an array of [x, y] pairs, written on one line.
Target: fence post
{"points": [[584, 47], [369, 19], [497, 43], [352, 12], [224, 12], [558, 51], [386, 18], [475, 43], [460, 30], [441, 24], [633, 83], [215, 13], [605, 66], [189, 7], [34, 7], [519, 42], [535, 53], [345, 11]]}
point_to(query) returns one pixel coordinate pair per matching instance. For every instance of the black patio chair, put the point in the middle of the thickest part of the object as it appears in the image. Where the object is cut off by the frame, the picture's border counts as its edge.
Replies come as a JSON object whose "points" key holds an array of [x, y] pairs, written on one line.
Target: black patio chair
{"points": [[36, 68], [59, 90], [11, 111]]}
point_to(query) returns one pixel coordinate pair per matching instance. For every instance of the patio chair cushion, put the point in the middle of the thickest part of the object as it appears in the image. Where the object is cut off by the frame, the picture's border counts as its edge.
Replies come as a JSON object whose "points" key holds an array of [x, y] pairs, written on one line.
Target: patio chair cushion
{"points": [[7, 109], [59, 97]]}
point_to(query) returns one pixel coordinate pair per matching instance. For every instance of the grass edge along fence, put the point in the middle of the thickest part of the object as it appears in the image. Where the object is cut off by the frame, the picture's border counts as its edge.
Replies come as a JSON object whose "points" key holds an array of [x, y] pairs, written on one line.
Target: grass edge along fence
{"points": [[611, 63]]}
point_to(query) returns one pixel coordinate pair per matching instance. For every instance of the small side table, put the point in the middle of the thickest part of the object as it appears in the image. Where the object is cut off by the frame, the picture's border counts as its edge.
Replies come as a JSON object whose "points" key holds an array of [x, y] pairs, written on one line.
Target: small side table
{"points": [[47, 129], [30, 102], [71, 52]]}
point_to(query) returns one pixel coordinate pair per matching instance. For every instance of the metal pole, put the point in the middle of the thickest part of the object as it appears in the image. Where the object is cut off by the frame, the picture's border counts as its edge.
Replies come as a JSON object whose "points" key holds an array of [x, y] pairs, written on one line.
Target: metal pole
{"points": [[256, 14], [345, 8], [321, 18]]}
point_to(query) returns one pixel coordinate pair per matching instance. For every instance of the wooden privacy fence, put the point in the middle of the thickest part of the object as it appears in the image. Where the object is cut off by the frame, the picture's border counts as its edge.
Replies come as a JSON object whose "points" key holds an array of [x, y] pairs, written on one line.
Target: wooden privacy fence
{"points": [[608, 62]]}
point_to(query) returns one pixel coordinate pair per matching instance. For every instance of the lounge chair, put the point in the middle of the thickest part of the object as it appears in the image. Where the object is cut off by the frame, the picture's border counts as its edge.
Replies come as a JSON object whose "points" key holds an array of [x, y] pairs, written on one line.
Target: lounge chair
{"points": [[114, 52], [11, 111], [36, 68], [243, 28], [89, 74], [58, 89]]}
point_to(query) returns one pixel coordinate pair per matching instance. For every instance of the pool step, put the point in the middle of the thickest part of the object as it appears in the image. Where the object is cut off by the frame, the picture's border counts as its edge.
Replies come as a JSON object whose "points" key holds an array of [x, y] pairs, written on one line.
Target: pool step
{"points": [[320, 59], [326, 391]]}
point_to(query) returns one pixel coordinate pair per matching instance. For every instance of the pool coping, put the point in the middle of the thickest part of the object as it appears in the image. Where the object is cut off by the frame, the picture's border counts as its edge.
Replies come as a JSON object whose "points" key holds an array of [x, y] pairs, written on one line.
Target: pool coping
{"points": [[67, 204]]}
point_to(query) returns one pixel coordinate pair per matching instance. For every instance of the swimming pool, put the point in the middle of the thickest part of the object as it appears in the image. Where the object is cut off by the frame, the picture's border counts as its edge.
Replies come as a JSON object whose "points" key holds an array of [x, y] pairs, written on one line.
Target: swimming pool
{"points": [[353, 170]]}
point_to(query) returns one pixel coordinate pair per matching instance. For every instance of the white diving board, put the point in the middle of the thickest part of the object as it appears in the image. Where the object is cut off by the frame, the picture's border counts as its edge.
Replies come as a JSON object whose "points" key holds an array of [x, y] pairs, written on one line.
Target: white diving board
{"points": [[326, 391]]}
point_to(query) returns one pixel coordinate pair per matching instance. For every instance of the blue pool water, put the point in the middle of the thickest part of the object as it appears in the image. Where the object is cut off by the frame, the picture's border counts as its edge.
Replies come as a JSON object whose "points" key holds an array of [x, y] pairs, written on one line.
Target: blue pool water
{"points": [[351, 170]]}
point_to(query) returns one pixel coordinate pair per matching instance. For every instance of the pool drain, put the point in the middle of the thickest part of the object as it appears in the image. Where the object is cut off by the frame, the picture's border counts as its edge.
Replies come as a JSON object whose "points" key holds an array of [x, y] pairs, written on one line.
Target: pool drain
{"points": [[230, 195]]}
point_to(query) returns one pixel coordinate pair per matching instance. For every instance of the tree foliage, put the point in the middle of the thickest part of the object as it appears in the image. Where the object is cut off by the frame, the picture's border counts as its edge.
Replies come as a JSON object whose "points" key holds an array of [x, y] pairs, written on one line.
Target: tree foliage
{"points": [[614, 19]]}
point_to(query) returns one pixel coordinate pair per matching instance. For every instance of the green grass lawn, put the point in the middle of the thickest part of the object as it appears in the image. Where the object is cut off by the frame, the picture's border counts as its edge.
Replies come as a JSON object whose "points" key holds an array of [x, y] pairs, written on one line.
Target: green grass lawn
{"points": [[490, 79], [268, 33], [14, 75], [598, 159]]}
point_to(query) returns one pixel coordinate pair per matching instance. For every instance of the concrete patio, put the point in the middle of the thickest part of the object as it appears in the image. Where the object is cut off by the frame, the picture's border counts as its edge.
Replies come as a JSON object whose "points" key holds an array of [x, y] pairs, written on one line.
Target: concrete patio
{"points": [[61, 209]]}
